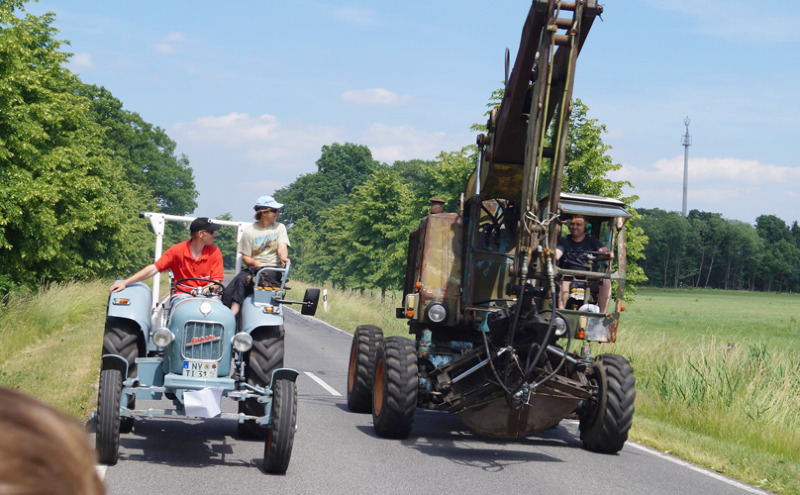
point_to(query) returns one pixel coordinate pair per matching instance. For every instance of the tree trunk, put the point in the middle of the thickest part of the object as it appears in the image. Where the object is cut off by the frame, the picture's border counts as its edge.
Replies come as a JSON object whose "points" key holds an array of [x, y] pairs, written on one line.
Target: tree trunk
{"points": [[710, 266], [700, 270], [728, 274], [666, 268]]}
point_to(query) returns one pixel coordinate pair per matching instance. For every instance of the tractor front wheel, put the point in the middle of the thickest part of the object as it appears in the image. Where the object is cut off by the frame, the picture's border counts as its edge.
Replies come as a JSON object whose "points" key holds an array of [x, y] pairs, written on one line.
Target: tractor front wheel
{"points": [[108, 397], [366, 340], [605, 422], [265, 357], [280, 437], [394, 388]]}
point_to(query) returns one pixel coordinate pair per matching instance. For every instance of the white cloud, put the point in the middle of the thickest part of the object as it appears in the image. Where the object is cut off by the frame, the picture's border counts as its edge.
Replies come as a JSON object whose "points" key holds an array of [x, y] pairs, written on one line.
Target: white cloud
{"points": [[355, 15], [374, 96], [739, 189], [81, 61], [170, 43], [391, 143], [238, 155]]}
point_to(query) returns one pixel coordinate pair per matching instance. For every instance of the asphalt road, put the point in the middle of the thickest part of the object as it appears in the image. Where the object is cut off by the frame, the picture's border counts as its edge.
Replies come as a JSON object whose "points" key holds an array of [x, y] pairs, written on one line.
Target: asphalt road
{"points": [[337, 452]]}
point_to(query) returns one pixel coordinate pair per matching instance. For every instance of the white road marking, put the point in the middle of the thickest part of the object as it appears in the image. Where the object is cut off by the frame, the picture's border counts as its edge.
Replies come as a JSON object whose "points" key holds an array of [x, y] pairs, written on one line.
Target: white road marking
{"points": [[689, 465], [698, 469], [317, 320], [322, 384], [101, 470]]}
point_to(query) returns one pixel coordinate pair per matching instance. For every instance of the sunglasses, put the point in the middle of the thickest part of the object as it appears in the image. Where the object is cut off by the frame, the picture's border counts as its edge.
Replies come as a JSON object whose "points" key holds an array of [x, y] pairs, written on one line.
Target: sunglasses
{"points": [[270, 210], [214, 232]]}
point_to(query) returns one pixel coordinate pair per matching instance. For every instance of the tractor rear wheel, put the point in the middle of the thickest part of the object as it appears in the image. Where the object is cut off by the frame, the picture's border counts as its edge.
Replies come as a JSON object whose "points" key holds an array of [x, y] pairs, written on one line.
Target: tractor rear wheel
{"points": [[394, 388], [605, 423], [280, 437], [108, 397], [360, 373], [265, 357]]}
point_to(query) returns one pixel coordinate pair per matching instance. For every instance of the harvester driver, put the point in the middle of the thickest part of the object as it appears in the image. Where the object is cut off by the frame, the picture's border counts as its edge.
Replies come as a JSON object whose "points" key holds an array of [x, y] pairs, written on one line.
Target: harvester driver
{"points": [[571, 253]]}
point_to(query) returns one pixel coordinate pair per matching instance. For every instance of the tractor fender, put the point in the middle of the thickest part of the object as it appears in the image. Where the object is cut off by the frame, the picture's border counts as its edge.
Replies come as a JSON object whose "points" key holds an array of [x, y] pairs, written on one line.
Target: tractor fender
{"points": [[283, 374], [132, 303], [253, 316], [115, 362]]}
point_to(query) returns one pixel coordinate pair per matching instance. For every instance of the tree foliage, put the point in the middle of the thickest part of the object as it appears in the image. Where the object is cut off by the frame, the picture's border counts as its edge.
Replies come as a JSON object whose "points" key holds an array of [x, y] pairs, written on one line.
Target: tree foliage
{"points": [[340, 169], [68, 197]]}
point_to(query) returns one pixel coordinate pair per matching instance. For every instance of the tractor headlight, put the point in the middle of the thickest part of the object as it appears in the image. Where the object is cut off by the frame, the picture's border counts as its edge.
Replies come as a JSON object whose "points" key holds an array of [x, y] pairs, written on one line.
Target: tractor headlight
{"points": [[560, 326], [242, 342], [163, 337], [437, 312]]}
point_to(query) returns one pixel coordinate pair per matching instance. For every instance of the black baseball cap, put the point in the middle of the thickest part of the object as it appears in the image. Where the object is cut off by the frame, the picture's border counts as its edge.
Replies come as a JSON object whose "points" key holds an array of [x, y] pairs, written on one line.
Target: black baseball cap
{"points": [[203, 223]]}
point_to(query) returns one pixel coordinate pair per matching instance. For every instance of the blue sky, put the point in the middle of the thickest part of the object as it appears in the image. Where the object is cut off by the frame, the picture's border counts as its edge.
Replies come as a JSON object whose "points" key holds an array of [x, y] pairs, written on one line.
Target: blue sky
{"points": [[251, 90]]}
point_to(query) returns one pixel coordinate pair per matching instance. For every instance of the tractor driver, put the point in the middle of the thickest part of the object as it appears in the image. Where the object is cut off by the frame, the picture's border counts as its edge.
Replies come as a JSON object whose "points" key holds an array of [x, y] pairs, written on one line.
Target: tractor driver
{"points": [[195, 258], [570, 253]]}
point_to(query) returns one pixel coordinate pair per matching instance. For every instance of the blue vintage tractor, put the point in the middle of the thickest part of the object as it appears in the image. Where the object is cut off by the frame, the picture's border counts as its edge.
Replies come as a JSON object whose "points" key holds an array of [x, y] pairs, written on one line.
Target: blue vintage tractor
{"points": [[192, 350]]}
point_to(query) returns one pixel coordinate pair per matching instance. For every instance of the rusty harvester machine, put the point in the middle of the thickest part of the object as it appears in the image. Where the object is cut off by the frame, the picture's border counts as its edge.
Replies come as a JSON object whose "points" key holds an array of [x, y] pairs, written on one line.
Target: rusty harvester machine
{"points": [[480, 295]]}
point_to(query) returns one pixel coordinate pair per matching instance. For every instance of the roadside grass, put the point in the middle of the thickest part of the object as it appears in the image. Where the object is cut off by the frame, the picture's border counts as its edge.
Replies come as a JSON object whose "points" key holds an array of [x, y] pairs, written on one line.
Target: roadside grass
{"points": [[50, 344], [717, 373]]}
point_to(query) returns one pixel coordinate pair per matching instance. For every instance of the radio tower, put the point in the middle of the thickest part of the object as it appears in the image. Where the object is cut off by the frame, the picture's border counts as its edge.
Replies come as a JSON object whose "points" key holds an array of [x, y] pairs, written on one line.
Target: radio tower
{"points": [[687, 141]]}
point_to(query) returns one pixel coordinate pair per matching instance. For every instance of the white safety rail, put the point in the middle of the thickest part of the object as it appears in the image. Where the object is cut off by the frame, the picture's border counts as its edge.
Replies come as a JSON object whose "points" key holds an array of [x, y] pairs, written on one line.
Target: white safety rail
{"points": [[157, 221]]}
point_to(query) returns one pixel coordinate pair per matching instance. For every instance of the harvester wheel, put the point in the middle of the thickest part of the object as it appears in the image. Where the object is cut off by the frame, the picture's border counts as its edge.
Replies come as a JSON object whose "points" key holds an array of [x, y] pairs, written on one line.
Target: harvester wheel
{"points": [[604, 424], [122, 339], [394, 388], [108, 397], [265, 357], [366, 340], [280, 438]]}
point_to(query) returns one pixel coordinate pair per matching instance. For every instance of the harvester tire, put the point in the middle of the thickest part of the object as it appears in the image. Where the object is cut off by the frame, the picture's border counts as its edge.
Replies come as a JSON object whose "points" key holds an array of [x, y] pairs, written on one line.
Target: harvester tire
{"points": [[122, 338], [360, 373], [604, 425], [108, 397], [265, 357], [394, 390], [280, 438]]}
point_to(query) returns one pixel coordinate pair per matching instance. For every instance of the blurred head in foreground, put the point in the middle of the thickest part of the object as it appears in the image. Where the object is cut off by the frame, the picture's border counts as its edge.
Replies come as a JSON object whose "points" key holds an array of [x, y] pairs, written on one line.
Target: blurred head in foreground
{"points": [[43, 451]]}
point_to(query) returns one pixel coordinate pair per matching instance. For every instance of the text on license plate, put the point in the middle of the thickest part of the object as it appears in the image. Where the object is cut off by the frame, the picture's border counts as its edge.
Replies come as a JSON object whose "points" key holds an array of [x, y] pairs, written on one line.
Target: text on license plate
{"points": [[199, 370]]}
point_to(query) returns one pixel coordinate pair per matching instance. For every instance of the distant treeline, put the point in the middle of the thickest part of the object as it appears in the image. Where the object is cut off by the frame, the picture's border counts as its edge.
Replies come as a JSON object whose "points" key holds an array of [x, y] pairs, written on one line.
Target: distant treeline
{"points": [[705, 250]]}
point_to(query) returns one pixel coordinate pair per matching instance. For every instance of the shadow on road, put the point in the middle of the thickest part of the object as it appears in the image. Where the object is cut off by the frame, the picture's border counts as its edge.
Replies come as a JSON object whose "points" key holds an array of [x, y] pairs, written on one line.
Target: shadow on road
{"points": [[187, 444], [443, 435]]}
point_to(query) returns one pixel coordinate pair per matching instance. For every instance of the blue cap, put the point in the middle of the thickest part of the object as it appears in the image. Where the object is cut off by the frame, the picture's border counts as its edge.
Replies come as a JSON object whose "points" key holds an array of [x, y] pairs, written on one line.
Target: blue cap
{"points": [[265, 202]]}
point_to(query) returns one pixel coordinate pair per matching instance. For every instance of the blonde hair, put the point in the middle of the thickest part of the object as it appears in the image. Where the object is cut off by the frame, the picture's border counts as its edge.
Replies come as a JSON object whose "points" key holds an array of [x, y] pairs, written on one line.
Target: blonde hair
{"points": [[43, 451]]}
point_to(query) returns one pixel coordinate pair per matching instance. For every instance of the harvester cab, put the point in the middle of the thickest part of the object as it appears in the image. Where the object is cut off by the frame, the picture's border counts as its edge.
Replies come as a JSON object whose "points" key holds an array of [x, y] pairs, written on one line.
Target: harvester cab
{"points": [[489, 340]]}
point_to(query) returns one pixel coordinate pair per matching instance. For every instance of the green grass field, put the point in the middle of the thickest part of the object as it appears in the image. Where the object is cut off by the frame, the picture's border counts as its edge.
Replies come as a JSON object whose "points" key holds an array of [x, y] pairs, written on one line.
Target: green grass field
{"points": [[717, 373]]}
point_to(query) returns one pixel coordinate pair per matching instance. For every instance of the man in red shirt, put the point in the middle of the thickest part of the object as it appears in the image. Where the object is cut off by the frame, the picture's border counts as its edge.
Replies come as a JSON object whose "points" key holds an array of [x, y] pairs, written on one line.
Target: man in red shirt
{"points": [[195, 258]]}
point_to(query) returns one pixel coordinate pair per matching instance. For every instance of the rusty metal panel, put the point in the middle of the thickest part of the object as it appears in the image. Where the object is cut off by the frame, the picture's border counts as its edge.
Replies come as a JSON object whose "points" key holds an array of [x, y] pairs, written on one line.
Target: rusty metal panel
{"points": [[439, 263]]}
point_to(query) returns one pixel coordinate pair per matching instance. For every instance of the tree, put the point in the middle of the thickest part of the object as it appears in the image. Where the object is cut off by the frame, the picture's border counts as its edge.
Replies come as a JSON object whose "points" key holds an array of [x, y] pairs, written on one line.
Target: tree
{"points": [[772, 229], [225, 240], [60, 213], [443, 178], [340, 169], [366, 240], [146, 152]]}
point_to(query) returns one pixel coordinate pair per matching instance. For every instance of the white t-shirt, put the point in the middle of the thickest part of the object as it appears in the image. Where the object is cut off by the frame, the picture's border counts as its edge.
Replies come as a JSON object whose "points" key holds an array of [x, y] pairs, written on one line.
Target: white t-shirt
{"points": [[262, 243]]}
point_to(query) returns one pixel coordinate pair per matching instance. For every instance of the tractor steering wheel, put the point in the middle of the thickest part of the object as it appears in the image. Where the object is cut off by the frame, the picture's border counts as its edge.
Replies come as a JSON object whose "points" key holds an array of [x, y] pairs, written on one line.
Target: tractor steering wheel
{"points": [[216, 287]]}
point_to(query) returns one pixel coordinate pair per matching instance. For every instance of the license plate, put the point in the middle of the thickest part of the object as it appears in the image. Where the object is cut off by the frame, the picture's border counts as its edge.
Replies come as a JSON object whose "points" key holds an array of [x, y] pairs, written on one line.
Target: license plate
{"points": [[199, 370]]}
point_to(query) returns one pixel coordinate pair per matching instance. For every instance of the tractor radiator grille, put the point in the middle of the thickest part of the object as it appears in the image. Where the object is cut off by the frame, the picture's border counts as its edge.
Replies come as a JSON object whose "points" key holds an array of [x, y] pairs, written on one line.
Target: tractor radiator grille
{"points": [[203, 340]]}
